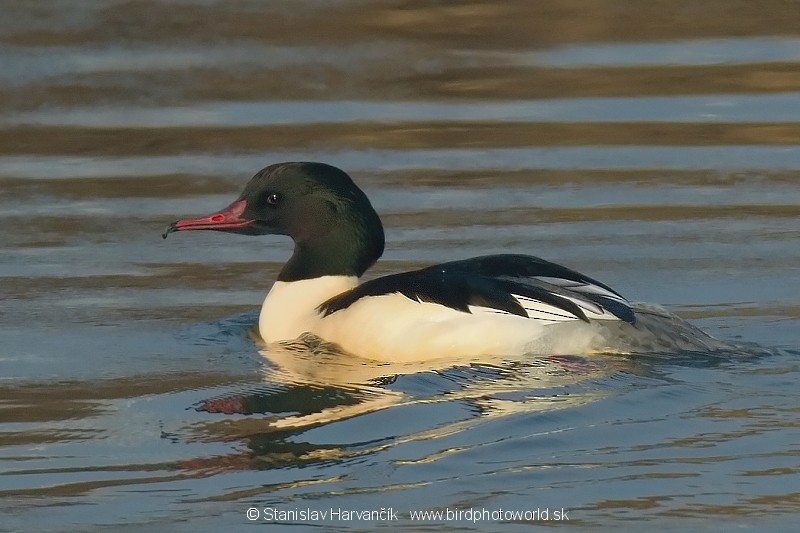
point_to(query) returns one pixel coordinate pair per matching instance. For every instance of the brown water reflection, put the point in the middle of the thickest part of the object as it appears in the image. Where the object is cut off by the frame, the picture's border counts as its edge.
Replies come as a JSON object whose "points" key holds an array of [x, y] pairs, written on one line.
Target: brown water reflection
{"points": [[654, 147], [358, 135], [462, 50]]}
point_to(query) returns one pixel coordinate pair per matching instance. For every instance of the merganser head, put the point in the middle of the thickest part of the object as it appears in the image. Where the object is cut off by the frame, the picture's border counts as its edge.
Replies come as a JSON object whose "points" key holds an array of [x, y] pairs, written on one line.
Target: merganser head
{"points": [[335, 229]]}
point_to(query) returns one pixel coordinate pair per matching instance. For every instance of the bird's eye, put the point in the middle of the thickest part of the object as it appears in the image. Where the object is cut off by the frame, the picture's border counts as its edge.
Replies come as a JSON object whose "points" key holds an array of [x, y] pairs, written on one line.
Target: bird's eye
{"points": [[272, 199]]}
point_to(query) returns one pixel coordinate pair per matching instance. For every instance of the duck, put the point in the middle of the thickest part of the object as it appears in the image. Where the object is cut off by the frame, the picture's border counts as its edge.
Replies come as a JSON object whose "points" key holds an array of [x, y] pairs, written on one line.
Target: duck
{"points": [[506, 304]]}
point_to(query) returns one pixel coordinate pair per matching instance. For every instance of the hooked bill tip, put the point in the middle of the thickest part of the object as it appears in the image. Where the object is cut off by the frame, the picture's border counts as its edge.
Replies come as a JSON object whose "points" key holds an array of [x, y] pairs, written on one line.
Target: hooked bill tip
{"points": [[171, 228]]}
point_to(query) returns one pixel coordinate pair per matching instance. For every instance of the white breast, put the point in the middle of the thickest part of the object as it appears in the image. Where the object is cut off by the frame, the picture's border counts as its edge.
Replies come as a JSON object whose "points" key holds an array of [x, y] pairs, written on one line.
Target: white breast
{"points": [[290, 308]]}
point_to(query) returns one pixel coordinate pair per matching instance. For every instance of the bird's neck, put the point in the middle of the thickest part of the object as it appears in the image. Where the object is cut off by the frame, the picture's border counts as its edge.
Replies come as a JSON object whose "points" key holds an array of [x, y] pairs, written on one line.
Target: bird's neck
{"points": [[337, 253]]}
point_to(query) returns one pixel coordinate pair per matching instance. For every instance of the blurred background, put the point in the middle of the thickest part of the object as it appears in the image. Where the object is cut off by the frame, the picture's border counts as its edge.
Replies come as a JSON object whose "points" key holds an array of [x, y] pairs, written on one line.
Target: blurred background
{"points": [[652, 145]]}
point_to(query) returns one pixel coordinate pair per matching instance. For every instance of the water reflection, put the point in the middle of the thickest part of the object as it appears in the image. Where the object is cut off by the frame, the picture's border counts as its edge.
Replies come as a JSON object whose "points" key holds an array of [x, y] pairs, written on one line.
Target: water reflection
{"points": [[740, 108], [310, 383], [722, 158], [682, 52]]}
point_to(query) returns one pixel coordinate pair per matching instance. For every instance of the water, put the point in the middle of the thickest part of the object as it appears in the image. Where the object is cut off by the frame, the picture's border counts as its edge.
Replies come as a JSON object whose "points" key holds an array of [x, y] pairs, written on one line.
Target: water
{"points": [[655, 150]]}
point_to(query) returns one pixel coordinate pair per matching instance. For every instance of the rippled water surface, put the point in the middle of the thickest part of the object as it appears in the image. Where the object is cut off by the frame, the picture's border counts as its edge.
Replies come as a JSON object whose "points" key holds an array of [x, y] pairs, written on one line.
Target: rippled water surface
{"points": [[653, 148]]}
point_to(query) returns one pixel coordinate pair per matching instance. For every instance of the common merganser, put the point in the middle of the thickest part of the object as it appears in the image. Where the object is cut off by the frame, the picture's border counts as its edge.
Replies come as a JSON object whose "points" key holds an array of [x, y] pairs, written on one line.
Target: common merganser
{"points": [[489, 305]]}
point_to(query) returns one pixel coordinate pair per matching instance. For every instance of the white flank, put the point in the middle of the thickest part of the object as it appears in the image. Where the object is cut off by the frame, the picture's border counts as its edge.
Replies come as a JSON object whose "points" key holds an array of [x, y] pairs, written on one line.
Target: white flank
{"points": [[394, 328]]}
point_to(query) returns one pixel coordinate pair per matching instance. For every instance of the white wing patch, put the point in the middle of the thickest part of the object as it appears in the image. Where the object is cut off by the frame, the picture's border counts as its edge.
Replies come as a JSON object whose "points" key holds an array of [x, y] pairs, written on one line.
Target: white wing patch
{"points": [[551, 314], [585, 288], [535, 309], [542, 311]]}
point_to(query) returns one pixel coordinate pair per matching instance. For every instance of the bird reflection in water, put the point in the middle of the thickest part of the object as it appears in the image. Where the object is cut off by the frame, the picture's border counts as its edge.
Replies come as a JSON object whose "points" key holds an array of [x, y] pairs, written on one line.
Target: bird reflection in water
{"points": [[308, 383]]}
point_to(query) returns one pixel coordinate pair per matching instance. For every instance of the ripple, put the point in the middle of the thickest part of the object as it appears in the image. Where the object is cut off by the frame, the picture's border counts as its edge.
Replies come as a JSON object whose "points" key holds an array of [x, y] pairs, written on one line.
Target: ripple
{"points": [[680, 52], [779, 107], [721, 158]]}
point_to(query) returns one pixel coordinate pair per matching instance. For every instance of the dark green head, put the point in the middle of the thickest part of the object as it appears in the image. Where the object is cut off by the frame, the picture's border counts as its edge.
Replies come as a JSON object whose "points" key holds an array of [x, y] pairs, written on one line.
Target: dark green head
{"points": [[335, 229]]}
